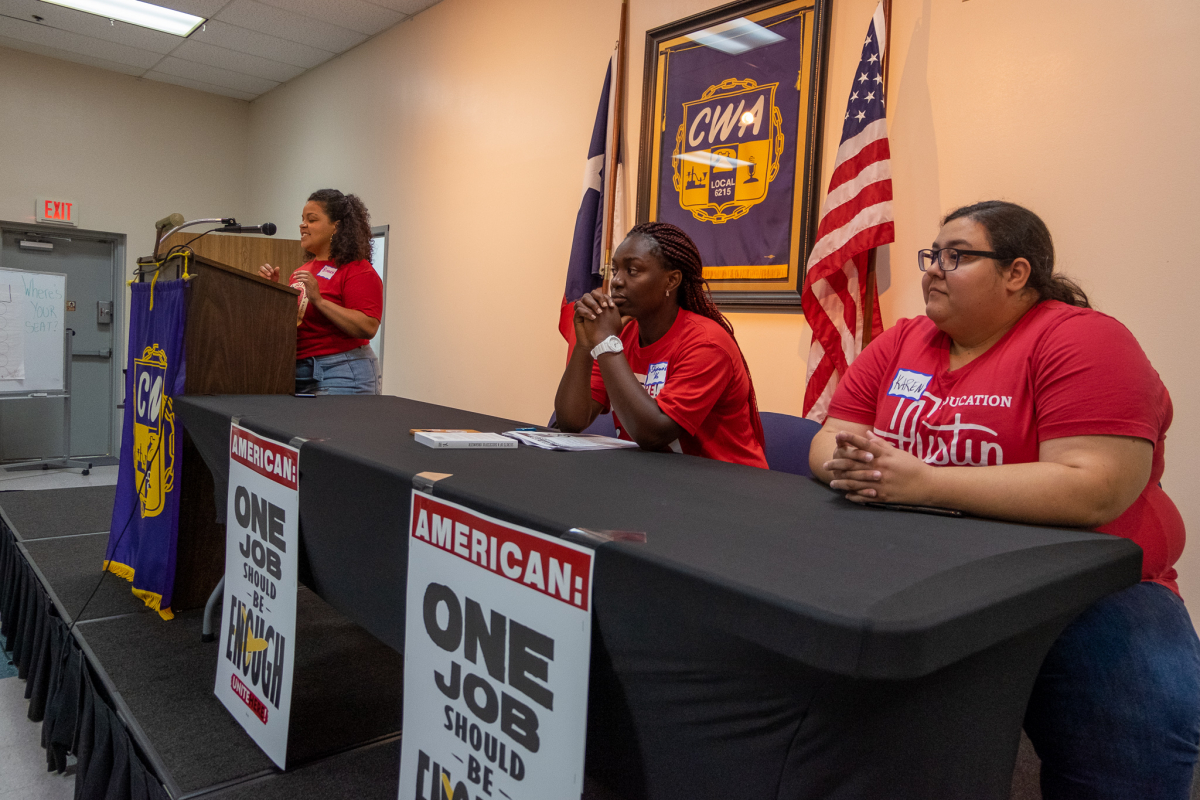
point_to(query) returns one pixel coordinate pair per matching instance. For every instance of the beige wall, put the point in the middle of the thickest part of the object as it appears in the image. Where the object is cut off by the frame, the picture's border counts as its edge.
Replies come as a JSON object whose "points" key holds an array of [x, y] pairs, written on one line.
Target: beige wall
{"points": [[126, 151], [465, 129]]}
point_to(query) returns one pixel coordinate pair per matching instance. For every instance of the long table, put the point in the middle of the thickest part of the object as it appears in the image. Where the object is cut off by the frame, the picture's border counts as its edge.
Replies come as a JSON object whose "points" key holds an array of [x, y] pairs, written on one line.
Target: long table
{"points": [[768, 639]]}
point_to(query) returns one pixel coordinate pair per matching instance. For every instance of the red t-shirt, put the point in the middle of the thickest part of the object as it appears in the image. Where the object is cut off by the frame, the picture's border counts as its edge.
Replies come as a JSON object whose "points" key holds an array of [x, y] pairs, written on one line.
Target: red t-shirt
{"points": [[1060, 371], [695, 373], [355, 285]]}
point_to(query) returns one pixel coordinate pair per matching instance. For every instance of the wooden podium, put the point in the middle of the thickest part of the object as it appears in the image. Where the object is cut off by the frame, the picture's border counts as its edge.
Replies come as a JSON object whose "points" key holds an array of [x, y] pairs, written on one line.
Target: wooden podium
{"points": [[240, 338]]}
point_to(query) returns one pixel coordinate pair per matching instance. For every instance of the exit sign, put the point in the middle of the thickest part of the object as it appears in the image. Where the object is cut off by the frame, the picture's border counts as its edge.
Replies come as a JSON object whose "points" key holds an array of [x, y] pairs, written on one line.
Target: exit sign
{"points": [[60, 212]]}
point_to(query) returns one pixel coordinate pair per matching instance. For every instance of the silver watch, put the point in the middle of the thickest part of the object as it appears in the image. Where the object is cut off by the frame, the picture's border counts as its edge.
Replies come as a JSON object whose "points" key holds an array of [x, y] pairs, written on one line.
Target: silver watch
{"points": [[610, 345]]}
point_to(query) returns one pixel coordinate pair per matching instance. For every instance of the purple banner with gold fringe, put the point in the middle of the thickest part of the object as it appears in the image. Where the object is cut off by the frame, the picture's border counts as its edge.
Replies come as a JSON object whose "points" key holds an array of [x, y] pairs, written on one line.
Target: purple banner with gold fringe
{"points": [[145, 521]]}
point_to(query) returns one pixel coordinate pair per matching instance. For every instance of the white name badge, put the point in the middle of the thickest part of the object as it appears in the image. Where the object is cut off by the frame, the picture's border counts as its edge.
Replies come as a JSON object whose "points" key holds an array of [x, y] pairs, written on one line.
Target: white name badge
{"points": [[327, 271], [910, 384]]}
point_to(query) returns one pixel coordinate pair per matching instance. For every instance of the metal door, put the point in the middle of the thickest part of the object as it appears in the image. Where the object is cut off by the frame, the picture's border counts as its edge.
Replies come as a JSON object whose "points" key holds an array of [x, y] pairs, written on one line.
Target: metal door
{"points": [[33, 428]]}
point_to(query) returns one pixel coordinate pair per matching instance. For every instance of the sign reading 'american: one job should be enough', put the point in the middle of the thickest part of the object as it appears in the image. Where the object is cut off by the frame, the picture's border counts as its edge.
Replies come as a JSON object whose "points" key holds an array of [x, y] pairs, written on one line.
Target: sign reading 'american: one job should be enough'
{"points": [[497, 650], [258, 627]]}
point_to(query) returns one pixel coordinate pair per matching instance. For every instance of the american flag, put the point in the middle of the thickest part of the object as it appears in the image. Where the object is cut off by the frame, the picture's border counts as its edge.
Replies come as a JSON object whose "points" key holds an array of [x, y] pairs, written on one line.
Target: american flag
{"points": [[855, 217]]}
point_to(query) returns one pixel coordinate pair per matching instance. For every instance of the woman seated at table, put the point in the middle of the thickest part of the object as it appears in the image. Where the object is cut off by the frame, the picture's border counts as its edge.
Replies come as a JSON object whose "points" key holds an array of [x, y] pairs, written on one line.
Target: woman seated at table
{"points": [[1013, 399], [344, 297], [661, 356]]}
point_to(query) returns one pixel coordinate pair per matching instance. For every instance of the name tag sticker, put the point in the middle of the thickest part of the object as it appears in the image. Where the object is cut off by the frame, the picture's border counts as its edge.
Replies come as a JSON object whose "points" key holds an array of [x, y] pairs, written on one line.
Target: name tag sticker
{"points": [[910, 384], [656, 377], [327, 271]]}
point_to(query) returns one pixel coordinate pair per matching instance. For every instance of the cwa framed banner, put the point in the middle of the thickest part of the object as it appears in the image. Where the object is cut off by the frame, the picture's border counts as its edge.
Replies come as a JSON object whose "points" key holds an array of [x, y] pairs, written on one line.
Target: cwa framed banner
{"points": [[731, 121]]}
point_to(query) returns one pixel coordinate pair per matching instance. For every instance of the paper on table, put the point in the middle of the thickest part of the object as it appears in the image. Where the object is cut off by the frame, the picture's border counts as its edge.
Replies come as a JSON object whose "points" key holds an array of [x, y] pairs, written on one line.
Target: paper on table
{"points": [[569, 441]]}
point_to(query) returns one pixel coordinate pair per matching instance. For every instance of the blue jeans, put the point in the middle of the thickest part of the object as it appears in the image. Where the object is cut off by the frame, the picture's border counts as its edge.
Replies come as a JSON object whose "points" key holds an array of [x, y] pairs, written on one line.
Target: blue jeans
{"points": [[352, 372], [1115, 710]]}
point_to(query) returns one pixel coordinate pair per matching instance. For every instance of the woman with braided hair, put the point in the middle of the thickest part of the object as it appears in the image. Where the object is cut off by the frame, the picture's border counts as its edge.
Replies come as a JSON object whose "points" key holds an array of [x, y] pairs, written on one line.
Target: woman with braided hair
{"points": [[659, 354], [344, 297]]}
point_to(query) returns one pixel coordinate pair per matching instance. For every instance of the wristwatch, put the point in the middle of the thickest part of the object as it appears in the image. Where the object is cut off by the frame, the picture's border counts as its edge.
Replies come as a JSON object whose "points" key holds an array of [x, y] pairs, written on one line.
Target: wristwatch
{"points": [[610, 345]]}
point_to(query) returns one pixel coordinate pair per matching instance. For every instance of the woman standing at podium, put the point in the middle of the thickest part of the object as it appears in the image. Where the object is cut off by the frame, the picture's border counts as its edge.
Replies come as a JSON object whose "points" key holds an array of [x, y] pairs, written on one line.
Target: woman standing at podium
{"points": [[344, 297], [1011, 398]]}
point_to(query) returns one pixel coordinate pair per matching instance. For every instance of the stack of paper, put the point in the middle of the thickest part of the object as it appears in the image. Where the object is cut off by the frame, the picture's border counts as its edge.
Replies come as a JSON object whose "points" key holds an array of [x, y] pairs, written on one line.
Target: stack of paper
{"points": [[552, 440], [464, 440]]}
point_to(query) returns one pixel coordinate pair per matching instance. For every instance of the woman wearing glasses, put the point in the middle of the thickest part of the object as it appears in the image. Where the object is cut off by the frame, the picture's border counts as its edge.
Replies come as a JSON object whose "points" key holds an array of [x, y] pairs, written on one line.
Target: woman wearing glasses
{"points": [[1013, 399]]}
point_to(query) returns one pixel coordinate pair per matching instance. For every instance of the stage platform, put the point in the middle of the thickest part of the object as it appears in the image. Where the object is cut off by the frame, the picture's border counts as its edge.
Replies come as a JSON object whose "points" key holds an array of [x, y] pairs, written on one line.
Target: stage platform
{"points": [[155, 728], [151, 681]]}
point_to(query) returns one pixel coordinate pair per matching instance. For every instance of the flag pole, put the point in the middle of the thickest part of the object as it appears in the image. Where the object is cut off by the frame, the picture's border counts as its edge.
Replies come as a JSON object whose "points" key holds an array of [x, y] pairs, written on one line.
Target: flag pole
{"points": [[610, 173], [869, 304]]}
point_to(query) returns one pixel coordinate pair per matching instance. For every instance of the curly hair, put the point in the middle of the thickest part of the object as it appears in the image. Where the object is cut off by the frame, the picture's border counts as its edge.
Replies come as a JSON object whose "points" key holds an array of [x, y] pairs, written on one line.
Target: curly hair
{"points": [[1016, 232], [676, 250], [352, 241]]}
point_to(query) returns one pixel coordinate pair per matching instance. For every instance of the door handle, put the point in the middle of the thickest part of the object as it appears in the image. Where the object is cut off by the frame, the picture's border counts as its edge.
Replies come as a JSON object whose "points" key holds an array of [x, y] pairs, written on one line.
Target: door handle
{"points": [[107, 353]]}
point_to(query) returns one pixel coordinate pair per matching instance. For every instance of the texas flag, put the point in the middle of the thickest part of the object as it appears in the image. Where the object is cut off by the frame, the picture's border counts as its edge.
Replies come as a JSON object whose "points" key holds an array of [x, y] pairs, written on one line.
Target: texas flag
{"points": [[587, 247]]}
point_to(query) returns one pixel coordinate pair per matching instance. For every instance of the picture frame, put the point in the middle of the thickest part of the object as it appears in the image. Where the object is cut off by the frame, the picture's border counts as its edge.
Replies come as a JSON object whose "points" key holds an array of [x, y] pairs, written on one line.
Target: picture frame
{"points": [[732, 103]]}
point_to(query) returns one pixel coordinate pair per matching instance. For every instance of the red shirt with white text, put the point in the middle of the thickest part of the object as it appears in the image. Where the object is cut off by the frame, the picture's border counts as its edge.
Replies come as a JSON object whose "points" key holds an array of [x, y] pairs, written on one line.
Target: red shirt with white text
{"points": [[1060, 371]]}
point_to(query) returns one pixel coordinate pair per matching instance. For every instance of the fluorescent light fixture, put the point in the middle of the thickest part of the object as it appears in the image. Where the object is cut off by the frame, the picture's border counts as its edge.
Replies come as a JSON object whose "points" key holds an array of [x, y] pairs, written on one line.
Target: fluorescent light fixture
{"points": [[135, 12], [736, 36]]}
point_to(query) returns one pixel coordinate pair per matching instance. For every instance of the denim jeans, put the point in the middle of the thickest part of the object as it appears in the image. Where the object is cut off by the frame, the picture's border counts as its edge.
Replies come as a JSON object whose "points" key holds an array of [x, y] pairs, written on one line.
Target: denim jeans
{"points": [[1115, 710], [352, 372]]}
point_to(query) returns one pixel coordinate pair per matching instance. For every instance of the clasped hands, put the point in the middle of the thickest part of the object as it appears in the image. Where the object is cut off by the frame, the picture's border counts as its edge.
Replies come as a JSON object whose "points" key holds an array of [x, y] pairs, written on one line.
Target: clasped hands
{"points": [[597, 318], [869, 469]]}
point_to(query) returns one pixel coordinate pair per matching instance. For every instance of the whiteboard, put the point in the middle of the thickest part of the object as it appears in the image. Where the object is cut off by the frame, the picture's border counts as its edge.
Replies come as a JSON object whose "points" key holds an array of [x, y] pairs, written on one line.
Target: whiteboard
{"points": [[32, 331]]}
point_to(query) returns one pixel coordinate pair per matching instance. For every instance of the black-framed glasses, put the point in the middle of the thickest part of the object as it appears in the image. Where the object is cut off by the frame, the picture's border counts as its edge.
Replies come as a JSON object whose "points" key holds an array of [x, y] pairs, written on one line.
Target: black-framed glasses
{"points": [[947, 258]]}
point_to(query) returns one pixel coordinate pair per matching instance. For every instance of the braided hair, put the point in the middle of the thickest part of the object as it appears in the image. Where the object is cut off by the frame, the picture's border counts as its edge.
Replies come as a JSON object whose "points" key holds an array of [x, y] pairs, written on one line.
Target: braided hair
{"points": [[677, 251], [352, 240]]}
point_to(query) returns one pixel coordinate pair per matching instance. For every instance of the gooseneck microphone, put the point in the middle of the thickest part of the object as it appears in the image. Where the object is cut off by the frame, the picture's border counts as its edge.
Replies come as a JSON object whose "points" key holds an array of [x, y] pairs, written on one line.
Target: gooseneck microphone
{"points": [[229, 225], [266, 229]]}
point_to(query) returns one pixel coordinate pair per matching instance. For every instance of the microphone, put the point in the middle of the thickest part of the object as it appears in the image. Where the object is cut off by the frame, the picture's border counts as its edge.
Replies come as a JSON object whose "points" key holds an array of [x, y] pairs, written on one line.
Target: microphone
{"points": [[170, 221], [266, 229]]}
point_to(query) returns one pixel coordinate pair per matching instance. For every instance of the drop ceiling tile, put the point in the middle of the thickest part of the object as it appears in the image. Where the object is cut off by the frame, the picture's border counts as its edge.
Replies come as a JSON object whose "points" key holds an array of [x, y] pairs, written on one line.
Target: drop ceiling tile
{"points": [[407, 7], [79, 22], [213, 56], [201, 8], [285, 25], [201, 85], [215, 75], [67, 55], [244, 40], [74, 43], [356, 15]]}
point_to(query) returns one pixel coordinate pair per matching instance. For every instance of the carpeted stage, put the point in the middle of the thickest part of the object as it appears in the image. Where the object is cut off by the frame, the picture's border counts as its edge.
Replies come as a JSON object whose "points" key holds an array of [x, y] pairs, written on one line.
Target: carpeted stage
{"points": [[157, 676], [131, 696]]}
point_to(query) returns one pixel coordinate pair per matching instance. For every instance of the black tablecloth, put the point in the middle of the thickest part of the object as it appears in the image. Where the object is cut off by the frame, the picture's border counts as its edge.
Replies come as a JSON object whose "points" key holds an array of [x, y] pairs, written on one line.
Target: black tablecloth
{"points": [[761, 614]]}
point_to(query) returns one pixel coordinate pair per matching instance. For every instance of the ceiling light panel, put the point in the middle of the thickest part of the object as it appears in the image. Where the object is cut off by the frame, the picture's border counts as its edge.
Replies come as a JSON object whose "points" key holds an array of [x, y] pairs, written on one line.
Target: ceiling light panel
{"points": [[76, 43], [135, 12], [68, 19]]}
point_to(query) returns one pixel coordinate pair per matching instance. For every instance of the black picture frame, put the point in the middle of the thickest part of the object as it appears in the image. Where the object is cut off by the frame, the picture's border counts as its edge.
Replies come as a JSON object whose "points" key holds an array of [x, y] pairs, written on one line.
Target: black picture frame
{"points": [[745, 293]]}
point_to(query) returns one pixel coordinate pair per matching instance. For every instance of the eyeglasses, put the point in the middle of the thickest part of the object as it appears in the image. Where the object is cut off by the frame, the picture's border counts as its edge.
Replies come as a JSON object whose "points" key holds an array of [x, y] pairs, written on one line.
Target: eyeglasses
{"points": [[947, 257]]}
